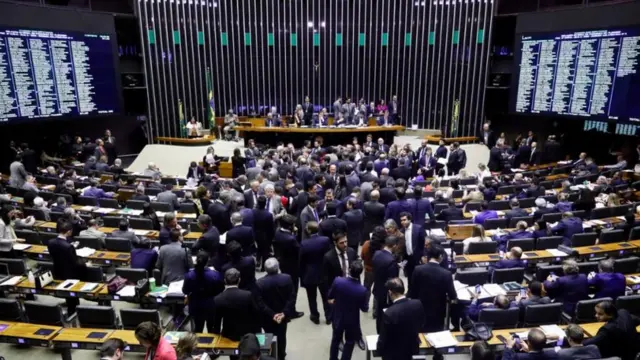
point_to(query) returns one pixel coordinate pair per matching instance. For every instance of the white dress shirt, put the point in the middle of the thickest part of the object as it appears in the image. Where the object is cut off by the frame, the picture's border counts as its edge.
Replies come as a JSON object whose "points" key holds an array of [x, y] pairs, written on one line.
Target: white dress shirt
{"points": [[407, 239]]}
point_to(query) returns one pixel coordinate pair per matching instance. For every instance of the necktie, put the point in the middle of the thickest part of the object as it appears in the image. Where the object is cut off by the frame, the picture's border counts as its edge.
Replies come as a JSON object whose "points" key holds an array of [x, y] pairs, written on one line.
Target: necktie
{"points": [[315, 215], [255, 199], [343, 263]]}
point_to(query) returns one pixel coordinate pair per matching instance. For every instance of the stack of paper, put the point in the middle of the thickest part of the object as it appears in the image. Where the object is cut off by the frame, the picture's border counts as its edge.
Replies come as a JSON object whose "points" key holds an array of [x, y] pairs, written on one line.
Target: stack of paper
{"points": [[437, 232], [188, 216], [104, 210], [88, 287], [552, 331], [12, 281], [85, 252], [458, 285], [175, 288], [441, 339], [127, 291], [21, 247], [598, 222], [131, 212], [87, 208], [464, 293]]}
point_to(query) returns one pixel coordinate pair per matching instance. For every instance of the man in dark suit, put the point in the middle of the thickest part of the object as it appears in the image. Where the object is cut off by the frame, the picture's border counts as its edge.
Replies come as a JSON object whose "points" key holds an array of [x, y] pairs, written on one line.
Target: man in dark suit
{"points": [[219, 214], [387, 193], [402, 171], [532, 349], [618, 336], [251, 195], [385, 267], [427, 163], [487, 136], [140, 195], [309, 213], [568, 289], [66, 263], [536, 154], [567, 227], [450, 213], [495, 158], [577, 350], [413, 244], [348, 297], [236, 312], [522, 154], [264, 229], [401, 324], [277, 294], [242, 234], [373, 213], [421, 207], [395, 208], [354, 219], [307, 107], [195, 171], [286, 249], [336, 261], [332, 224], [209, 241], [312, 273], [433, 286], [515, 211], [457, 159]]}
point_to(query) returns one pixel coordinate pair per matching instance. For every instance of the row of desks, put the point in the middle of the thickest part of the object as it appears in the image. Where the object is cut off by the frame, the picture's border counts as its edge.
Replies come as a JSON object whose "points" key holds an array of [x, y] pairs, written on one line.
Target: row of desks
{"points": [[67, 339], [127, 212], [50, 226]]}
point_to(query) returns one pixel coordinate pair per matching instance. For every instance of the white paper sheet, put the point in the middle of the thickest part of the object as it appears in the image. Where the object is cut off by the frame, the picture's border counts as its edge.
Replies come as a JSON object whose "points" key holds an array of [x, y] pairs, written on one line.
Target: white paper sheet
{"points": [[12, 281], [372, 342], [441, 339], [141, 232], [175, 288], [85, 252], [89, 287], [557, 253], [21, 247], [127, 291]]}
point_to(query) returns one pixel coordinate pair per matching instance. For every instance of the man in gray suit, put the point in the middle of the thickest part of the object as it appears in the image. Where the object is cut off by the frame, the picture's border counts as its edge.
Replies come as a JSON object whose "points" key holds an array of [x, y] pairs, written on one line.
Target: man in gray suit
{"points": [[152, 171], [93, 232], [123, 232], [174, 261], [169, 197], [253, 172], [274, 203], [18, 172], [309, 213], [30, 185], [337, 106]]}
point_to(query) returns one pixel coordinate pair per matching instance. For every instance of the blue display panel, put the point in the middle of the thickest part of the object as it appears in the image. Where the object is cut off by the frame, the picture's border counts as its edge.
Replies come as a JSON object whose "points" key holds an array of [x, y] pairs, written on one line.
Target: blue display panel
{"points": [[52, 73], [583, 73]]}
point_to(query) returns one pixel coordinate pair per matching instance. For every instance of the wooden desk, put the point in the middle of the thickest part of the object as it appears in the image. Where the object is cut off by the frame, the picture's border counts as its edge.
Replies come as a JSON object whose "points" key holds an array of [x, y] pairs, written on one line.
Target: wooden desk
{"points": [[27, 286], [320, 131], [29, 334], [531, 257], [605, 249], [40, 252], [591, 329], [205, 140], [82, 336], [459, 232]]}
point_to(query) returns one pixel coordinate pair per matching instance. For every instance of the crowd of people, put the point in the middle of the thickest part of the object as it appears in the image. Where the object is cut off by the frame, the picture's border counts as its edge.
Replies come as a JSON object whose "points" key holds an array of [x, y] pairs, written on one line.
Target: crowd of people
{"points": [[319, 218]]}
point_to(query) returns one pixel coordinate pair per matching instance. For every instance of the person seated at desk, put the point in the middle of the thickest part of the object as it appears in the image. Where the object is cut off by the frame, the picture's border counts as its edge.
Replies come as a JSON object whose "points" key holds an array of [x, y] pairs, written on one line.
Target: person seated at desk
{"points": [[140, 195], [101, 165], [93, 232], [533, 297], [116, 168], [170, 222], [40, 204], [60, 205], [618, 336], [542, 209], [323, 119], [515, 211], [450, 213], [532, 349], [577, 350], [568, 226], [480, 350], [568, 289], [149, 335], [169, 197], [606, 282], [540, 229], [112, 349], [620, 164], [123, 232], [477, 235], [152, 171], [563, 204], [95, 192], [193, 128], [501, 302], [195, 171], [484, 214], [30, 184], [273, 119], [521, 232], [143, 256], [512, 259]]}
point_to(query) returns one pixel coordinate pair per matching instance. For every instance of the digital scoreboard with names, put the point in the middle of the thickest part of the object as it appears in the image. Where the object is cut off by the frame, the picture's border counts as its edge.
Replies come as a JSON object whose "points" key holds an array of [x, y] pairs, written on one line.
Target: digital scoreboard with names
{"points": [[52, 73], [592, 74]]}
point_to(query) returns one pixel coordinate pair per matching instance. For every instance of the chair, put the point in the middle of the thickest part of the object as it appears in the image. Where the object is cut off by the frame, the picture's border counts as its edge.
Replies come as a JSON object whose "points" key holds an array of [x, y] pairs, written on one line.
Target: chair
{"points": [[98, 317], [543, 271], [109, 188], [87, 201], [483, 247], [132, 275], [634, 234], [542, 314], [499, 318], [527, 203], [469, 181], [36, 213], [90, 242], [584, 239], [527, 219], [631, 303], [94, 274], [548, 242], [161, 206], [620, 210], [439, 207], [499, 205], [55, 215], [10, 310], [491, 224], [588, 267], [135, 204], [472, 276], [118, 244], [141, 223], [551, 199], [457, 247], [627, 265], [188, 208], [600, 213], [46, 265], [152, 191], [582, 214], [15, 266], [45, 314], [111, 221], [130, 318], [584, 311], [524, 244], [457, 194], [611, 236], [552, 217], [501, 276], [108, 203], [506, 190], [473, 206], [29, 236], [193, 227]]}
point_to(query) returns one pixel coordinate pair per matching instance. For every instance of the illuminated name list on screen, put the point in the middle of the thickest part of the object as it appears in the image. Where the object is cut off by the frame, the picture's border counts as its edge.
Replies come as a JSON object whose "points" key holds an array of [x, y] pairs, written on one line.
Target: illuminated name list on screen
{"points": [[47, 74], [586, 73]]}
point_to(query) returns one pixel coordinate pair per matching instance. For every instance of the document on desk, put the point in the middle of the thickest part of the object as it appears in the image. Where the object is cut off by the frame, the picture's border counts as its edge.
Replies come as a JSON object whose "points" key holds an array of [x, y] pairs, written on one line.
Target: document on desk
{"points": [[494, 289], [141, 232], [21, 247], [88, 287], [188, 216], [127, 291], [175, 288], [441, 339], [85, 252], [104, 210], [12, 281], [131, 212], [87, 208], [464, 293], [557, 253], [598, 222], [553, 330], [437, 232], [67, 284]]}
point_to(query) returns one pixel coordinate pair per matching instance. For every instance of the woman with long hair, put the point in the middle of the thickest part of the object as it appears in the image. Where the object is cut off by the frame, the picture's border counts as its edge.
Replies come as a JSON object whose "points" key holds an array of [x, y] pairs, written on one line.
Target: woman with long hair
{"points": [[237, 164], [186, 345], [149, 213], [149, 335], [477, 235], [201, 285]]}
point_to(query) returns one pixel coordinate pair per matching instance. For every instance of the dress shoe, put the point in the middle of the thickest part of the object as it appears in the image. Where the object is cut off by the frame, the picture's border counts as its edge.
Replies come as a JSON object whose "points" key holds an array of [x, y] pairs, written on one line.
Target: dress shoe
{"points": [[327, 321], [315, 320], [361, 344], [298, 314]]}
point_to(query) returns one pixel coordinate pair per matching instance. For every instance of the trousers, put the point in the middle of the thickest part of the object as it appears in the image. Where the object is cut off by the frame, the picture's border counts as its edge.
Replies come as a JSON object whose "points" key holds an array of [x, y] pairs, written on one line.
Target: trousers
{"points": [[312, 297]]}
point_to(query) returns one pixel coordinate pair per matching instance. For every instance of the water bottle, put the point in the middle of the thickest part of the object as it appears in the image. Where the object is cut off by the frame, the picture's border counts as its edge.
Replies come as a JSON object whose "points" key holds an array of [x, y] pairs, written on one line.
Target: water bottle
{"points": [[31, 278]]}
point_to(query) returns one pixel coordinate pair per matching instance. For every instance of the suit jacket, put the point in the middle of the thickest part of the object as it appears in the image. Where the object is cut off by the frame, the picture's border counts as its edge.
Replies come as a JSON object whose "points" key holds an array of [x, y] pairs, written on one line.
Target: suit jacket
{"points": [[264, 227], [568, 289], [457, 159], [307, 215], [568, 227], [421, 207], [510, 354], [312, 250], [141, 197], [355, 223], [450, 213], [517, 212], [202, 290], [247, 216], [331, 264], [331, 224], [373, 216], [488, 138], [401, 172], [395, 208], [209, 241], [220, 217], [66, 264], [165, 236], [417, 245], [430, 162], [244, 236], [495, 159], [277, 295], [385, 267], [170, 198], [350, 297], [618, 337], [534, 157], [608, 285], [441, 152], [580, 353], [18, 174], [246, 265], [236, 314], [387, 195], [287, 250], [522, 155], [174, 262], [250, 201], [401, 324], [433, 286], [130, 235]]}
